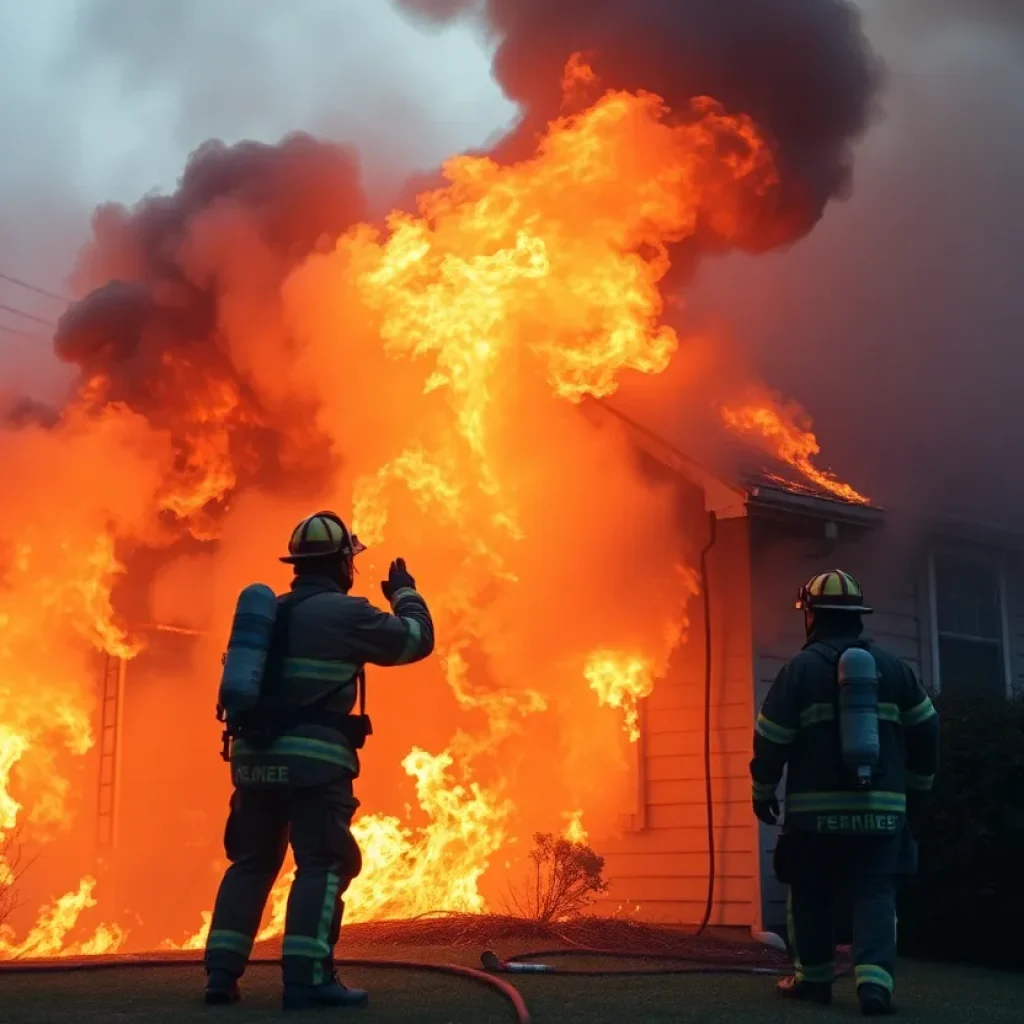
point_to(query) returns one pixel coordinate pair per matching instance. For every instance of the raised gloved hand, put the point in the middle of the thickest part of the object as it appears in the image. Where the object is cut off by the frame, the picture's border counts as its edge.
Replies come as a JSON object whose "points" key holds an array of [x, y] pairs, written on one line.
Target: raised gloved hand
{"points": [[767, 811], [398, 579]]}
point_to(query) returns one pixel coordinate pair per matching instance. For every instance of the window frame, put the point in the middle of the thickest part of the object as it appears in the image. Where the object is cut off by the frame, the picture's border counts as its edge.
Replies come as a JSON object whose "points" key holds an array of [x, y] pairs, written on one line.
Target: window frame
{"points": [[997, 567]]}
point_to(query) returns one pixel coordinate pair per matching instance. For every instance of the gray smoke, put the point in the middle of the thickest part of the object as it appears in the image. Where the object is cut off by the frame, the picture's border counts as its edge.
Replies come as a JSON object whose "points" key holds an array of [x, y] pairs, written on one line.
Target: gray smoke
{"points": [[899, 321]]}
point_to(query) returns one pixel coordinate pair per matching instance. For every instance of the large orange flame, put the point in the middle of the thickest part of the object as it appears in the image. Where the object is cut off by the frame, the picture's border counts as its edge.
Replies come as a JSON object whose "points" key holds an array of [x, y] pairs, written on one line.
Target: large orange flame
{"points": [[444, 357]]}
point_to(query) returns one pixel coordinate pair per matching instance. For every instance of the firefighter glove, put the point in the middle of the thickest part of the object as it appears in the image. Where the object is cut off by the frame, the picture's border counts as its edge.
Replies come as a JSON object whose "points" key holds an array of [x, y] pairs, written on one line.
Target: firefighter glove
{"points": [[767, 810], [398, 579]]}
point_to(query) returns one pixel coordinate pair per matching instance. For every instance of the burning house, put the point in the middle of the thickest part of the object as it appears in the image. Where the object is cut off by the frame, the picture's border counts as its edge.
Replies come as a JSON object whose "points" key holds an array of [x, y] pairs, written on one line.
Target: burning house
{"points": [[252, 346]]}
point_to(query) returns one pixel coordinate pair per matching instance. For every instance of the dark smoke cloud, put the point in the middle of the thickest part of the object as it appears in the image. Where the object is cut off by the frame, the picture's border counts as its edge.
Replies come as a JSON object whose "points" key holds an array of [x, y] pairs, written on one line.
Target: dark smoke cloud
{"points": [[801, 68], [162, 277]]}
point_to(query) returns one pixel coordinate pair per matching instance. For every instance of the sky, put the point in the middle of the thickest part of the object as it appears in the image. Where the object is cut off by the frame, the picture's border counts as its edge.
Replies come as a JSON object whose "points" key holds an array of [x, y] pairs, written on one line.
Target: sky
{"points": [[899, 315]]}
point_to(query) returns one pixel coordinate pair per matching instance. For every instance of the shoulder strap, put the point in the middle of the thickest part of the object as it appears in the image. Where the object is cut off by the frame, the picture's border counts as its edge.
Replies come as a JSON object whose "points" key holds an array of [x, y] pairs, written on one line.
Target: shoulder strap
{"points": [[279, 650], [281, 637], [832, 652]]}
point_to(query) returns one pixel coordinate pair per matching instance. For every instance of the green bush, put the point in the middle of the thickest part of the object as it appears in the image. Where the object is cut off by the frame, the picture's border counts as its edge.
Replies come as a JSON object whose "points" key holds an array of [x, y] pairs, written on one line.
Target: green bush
{"points": [[967, 901]]}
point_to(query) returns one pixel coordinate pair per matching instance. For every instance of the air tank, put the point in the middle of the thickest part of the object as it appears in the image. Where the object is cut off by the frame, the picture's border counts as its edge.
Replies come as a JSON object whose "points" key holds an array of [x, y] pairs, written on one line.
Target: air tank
{"points": [[858, 714], [246, 656]]}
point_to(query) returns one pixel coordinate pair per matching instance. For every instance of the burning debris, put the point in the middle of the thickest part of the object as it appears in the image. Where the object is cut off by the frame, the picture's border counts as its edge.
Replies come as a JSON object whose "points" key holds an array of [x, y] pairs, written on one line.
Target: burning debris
{"points": [[249, 346]]}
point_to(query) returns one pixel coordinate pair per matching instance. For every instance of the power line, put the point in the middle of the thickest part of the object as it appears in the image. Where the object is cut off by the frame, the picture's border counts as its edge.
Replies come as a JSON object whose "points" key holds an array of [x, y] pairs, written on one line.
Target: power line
{"points": [[34, 288], [24, 334], [27, 316]]}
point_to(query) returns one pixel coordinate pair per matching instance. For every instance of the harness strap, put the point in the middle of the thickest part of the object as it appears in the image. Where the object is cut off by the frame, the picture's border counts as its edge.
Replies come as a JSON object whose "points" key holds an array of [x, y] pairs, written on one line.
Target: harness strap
{"points": [[268, 722]]}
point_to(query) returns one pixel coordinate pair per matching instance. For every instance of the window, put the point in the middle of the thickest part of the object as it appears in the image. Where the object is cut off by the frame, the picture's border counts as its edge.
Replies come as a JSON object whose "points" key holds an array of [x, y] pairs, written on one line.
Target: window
{"points": [[968, 615]]}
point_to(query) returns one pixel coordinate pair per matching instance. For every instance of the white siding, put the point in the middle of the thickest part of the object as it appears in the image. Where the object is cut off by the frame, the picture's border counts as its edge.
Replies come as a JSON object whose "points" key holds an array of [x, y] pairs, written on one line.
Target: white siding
{"points": [[662, 869]]}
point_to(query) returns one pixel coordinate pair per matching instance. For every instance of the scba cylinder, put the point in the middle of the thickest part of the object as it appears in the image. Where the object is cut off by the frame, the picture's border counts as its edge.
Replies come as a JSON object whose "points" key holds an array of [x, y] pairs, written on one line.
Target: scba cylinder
{"points": [[246, 657], [858, 714]]}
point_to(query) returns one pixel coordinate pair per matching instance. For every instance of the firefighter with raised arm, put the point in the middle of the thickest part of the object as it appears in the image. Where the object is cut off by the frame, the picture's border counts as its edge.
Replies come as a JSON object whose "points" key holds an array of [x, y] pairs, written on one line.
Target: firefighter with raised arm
{"points": [[858, 737], [293, 697]]}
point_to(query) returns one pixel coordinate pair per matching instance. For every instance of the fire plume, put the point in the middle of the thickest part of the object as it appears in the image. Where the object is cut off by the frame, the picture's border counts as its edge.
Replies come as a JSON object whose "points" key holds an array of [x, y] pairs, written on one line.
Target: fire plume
{"points": [[427, 374]]}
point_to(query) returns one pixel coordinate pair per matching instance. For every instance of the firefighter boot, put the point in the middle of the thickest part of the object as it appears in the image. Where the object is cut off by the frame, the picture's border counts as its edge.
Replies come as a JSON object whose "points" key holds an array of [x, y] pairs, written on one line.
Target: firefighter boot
{"points": [[221, 988], [805, 991], [874, 1000], [330, 994]]}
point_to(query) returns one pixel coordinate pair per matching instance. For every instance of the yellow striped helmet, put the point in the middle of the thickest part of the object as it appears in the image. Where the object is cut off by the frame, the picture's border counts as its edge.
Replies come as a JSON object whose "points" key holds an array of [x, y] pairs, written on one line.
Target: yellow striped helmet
{"points": [[834, 590], [323, 533]]}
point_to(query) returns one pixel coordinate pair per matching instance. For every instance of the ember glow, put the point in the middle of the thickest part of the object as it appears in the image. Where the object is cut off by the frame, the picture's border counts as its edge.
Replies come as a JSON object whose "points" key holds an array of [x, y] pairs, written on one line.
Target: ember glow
{"points": [[428, 376]]}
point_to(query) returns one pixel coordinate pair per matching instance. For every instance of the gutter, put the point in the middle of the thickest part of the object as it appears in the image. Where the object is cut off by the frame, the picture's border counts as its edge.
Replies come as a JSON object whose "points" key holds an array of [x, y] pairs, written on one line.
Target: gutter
{"points": [[767, 500]]}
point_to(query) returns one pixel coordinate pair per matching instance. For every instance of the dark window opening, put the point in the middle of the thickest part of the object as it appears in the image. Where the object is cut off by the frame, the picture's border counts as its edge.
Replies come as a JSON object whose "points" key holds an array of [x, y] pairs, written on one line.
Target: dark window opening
{"points": [[969, 614]]}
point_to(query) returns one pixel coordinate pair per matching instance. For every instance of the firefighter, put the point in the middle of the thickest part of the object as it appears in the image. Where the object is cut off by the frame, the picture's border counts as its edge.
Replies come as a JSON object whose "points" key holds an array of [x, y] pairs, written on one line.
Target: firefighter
{"points": [[294, 763], [840, 840]]}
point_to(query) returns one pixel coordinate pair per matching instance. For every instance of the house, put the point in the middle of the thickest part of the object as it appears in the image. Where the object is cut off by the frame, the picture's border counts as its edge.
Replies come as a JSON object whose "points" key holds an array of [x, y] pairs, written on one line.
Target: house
{"points": [[946, 597]]}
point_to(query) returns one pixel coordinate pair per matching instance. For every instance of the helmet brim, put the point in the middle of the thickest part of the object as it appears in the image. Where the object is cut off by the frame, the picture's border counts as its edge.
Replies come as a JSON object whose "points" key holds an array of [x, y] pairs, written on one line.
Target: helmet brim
{"points": [[357, 549], [817, 606]]}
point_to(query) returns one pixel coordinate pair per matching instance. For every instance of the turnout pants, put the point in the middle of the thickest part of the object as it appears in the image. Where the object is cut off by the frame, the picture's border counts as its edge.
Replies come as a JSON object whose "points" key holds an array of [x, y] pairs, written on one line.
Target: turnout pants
{"points": [[315, 819], [828, 874]]}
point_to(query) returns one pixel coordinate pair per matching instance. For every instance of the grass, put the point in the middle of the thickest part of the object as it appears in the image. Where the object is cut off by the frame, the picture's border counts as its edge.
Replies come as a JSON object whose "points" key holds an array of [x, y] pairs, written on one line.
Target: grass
{"points": [[938, 994]]}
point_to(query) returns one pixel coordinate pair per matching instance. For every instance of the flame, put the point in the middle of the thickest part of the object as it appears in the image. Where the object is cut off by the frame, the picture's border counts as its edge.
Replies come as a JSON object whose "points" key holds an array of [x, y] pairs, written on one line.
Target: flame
{"points": [[574, 830], [49, 936], [621, 681], [777, 429], [456, 345]]}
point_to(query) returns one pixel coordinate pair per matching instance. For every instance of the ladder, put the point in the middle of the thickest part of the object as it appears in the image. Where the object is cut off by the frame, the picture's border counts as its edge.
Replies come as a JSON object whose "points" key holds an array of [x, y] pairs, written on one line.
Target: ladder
{"points": [[108, 788]]}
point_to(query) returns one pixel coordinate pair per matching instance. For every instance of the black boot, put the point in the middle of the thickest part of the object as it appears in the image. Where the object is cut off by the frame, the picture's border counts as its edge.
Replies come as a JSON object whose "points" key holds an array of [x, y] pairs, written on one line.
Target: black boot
{"points": [[875, 1001], [329, 994], [805, 991], [221, 988]]}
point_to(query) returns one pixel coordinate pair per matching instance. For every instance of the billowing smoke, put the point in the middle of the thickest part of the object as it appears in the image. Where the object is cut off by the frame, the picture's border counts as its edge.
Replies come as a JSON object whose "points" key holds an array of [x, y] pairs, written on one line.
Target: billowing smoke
{"points": [[802, 69], [175, 277]]}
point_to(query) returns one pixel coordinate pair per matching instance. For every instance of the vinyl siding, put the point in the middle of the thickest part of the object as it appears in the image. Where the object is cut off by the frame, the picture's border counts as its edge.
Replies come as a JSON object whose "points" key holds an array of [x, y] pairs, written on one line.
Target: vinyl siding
{"points": [[659, 872]]}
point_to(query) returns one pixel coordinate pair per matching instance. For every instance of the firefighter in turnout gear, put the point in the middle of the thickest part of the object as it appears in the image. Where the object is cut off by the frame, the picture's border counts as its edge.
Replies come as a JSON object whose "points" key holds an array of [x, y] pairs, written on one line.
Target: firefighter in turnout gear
{"points": [[845, 833], [293, 762]]}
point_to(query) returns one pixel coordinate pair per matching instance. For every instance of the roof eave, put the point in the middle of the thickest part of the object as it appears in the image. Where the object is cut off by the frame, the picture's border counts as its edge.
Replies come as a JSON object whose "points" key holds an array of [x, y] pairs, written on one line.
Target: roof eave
{"points": [[762, 498]]}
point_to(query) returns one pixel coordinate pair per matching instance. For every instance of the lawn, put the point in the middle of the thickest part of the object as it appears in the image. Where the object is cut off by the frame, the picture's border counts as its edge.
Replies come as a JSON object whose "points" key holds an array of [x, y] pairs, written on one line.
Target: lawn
{"points": [[928, 992]]}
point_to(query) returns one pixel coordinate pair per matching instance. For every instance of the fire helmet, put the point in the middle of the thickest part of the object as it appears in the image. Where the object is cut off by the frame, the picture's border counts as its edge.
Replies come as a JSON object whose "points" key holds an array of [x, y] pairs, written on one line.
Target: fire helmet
{"points": [[323, 533], [834, 590]]}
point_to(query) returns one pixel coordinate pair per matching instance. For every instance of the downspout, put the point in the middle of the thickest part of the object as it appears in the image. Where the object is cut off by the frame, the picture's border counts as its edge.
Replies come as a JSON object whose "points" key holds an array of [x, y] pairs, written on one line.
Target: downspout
{"points": [[705, 586]]}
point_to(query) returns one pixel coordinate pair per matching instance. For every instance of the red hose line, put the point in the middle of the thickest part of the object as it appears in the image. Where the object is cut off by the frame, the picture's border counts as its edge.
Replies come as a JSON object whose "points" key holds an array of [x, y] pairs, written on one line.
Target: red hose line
{"points": [[480, 977]]}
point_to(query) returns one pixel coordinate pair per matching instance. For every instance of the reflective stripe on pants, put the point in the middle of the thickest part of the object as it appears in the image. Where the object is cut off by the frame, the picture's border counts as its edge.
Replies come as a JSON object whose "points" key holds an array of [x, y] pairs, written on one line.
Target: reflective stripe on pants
{"points": [[326, 860]]}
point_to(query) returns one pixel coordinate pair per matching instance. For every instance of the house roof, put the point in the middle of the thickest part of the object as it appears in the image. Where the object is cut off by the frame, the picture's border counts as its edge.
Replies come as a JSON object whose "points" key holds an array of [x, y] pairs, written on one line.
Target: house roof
{"points": [[756, 480]]}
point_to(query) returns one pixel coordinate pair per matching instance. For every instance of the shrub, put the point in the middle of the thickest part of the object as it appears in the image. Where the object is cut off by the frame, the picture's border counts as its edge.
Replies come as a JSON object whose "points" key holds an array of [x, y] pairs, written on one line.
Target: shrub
{"points": [[562, 883], [967, 901], [11, 867]]}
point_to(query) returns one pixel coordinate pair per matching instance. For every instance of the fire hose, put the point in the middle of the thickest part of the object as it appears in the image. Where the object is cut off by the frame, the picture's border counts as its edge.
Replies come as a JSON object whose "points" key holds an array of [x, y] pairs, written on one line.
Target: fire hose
{"points": [[524, 963], [503, 988]]}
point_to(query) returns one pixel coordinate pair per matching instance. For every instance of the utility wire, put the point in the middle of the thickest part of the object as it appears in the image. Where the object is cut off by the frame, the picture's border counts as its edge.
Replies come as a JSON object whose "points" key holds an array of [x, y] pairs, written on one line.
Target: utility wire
{"points": [[33, 288], [25, 334], [27, 316]]}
